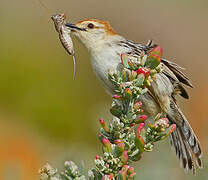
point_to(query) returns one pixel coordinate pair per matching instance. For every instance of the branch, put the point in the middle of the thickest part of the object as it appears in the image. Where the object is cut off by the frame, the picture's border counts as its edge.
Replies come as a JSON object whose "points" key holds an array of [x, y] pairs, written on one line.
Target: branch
{"points": [[130, 133]]}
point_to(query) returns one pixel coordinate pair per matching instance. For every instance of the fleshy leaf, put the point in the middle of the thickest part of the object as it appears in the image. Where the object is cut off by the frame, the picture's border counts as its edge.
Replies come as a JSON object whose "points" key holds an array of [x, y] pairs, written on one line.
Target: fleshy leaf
{"points": [[157, 50], [125, 59], [141, 119], [140, 80], [124, 157], [116, 110], [153, 61]]}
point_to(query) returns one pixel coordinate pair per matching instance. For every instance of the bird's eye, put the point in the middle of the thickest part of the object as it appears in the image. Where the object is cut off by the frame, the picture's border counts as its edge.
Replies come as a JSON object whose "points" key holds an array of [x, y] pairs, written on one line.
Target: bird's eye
{"points": [[90, 25]]}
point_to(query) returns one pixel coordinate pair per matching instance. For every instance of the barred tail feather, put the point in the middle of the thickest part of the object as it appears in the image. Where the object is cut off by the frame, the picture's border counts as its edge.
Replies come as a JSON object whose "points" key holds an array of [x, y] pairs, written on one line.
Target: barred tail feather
{"points": [[184, 140]]}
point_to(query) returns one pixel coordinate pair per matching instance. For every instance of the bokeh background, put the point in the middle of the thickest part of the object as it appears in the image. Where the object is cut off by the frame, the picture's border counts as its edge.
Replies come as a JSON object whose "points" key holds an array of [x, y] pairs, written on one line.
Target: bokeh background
{"points": [[45, 116]]}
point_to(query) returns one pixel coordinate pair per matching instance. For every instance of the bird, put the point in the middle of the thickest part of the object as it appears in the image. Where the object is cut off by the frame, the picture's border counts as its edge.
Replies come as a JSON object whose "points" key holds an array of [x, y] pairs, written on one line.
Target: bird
{"points": [[105, 47]]}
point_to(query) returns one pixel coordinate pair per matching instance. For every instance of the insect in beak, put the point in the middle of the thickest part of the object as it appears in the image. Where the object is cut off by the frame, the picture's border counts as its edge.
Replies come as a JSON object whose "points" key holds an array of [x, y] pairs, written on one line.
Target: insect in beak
{"points": [[73, 27], [64, 35]]}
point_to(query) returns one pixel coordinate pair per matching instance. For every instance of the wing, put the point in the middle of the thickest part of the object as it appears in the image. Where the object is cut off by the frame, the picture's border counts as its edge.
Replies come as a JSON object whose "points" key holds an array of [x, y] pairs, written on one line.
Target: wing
{"points": [[176, 82], [170, 69], [176, 69], [166, 85]]}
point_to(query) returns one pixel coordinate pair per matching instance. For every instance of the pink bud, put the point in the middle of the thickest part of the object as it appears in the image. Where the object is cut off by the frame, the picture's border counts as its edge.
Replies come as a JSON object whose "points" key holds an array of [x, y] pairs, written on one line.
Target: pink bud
{"points": [[144, 71], [97, 157], [139, 128], [138, 105], [106, 145], [173, 128], [106, 142], [101, 121], [117, 97], [141, 118], [117, 141]]}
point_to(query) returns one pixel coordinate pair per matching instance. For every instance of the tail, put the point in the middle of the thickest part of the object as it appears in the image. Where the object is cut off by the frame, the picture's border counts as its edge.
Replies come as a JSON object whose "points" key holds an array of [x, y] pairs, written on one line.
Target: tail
{"points": [[184, 140]]}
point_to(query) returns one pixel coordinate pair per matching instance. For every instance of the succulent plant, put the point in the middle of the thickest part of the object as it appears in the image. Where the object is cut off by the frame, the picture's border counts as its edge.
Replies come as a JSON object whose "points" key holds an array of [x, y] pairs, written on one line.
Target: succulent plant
{"points": [[128, 135]]}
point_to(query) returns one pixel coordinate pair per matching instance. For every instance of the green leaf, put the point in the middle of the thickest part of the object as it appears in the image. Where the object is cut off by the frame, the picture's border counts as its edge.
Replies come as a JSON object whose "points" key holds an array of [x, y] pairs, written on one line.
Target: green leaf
{"points": [[140, 80], [116, 110], [117, 151], [125, 59], [153, 61]]}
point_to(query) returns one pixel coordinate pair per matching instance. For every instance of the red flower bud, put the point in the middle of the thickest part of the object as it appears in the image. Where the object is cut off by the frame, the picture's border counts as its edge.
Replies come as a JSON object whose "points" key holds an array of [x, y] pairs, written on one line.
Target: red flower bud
{"points": [[106, 143], [144, 71], [97, 157], [117, 97], [102, 122], [139, 128], [141, 118], [128, 92]]}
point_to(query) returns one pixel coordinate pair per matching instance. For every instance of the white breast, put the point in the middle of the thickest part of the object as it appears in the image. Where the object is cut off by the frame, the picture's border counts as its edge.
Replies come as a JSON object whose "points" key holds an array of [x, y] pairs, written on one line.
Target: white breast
{"points": [[105, 59]]}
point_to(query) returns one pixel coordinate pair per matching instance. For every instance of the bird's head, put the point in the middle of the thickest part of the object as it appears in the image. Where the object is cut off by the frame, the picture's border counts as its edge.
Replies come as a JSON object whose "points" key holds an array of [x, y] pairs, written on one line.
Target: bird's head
{"points": [[91, 31]]}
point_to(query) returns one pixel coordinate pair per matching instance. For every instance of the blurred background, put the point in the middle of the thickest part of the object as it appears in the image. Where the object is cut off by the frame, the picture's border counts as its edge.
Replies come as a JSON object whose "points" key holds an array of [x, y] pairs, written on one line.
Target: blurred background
{"points": [[45, 116]]}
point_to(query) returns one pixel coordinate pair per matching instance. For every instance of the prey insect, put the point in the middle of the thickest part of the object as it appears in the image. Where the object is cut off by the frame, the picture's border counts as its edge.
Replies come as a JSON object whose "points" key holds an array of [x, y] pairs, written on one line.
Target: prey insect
{"points": [[64, 36]]}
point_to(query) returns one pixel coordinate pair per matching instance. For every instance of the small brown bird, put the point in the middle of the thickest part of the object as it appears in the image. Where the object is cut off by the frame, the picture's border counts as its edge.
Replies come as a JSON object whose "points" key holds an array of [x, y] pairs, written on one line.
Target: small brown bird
{"points": [[105, 47]]}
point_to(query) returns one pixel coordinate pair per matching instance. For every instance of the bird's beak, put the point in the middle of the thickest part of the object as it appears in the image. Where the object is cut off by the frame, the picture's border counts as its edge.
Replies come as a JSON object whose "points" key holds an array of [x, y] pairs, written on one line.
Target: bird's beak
{"points": [[73, 27]]}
